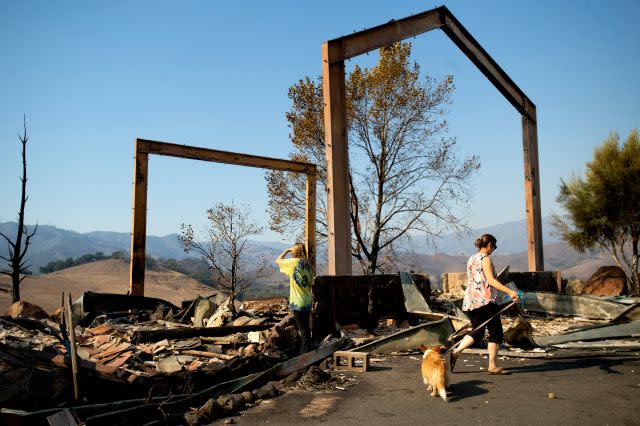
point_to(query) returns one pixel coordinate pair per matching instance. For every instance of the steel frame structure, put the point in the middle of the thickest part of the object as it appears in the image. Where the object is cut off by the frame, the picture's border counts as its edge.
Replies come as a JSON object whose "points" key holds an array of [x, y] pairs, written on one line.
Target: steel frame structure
{"points": [[145, 147], [336, 51]]}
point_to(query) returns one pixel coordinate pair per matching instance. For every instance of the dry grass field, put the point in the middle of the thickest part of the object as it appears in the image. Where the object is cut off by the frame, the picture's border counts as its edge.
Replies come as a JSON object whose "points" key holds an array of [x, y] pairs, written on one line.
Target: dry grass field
{"points": [[106, 276]]}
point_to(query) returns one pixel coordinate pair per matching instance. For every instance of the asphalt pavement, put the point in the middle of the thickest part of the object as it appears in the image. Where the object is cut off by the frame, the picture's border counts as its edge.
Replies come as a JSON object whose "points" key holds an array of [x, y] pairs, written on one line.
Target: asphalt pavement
{"points": [[576, 391]]}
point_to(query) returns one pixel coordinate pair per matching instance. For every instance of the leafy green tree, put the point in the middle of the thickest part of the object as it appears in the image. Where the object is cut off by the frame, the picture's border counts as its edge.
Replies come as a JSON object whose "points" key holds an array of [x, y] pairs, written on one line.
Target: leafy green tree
{"points": [[603, 208], [404, 173]]}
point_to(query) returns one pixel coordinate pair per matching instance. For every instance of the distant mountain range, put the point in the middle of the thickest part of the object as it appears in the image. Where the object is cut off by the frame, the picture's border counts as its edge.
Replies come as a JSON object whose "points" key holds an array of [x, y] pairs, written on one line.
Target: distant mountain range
{"points": [[511, 236], [449, 255], [51, 243]]}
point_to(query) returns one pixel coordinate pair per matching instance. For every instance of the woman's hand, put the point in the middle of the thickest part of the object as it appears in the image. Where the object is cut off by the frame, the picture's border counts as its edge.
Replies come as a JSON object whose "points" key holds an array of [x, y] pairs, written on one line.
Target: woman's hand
{"points": [[282, 255], [513, 295]]}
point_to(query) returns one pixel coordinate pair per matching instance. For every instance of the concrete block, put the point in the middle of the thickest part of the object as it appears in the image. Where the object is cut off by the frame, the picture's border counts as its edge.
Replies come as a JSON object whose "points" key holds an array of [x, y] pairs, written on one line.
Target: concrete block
{"points": [[352, 361]]}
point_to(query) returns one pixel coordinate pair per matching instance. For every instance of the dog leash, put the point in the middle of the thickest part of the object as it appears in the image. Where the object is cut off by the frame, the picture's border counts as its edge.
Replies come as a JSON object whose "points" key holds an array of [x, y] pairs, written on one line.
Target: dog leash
{"points": [[520, 297]]}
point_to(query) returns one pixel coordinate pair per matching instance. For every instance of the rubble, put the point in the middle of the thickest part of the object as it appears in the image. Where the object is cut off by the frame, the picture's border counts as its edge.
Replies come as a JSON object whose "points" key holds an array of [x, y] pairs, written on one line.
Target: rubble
{"points": [[26, 310], [157, 362]]}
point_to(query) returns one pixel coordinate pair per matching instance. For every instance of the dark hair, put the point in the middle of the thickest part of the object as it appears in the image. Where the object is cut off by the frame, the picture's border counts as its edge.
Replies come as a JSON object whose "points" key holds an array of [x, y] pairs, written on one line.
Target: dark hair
{"points": [[485, 240]]}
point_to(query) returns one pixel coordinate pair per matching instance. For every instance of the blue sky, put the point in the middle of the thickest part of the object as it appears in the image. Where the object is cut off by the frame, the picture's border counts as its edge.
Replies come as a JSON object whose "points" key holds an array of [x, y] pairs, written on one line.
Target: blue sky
{"points": [[93, 76]]}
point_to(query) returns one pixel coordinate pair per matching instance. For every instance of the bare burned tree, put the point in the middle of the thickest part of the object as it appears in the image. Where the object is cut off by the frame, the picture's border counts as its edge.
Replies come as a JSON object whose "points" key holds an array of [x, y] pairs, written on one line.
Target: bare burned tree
{"points": [[224, 249], [18, 248]]}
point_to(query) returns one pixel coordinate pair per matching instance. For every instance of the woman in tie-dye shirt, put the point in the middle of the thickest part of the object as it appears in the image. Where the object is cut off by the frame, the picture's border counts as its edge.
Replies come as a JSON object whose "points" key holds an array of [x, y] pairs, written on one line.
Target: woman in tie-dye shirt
{"points": [[479, 302], [300, 273]]}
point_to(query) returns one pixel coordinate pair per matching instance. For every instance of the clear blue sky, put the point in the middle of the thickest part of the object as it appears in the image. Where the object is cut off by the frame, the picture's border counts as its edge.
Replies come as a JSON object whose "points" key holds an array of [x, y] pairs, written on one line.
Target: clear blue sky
{"points": [[93, 76]]}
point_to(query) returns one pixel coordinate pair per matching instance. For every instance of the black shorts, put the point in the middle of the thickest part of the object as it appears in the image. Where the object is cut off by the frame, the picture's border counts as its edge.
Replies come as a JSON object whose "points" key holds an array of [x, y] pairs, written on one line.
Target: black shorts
{"points": [[480, 315]]}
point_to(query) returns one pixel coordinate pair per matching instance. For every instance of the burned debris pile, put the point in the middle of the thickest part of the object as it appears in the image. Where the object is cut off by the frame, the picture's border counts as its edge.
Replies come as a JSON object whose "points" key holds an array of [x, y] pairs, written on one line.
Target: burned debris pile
{"points": [[118, 359]]}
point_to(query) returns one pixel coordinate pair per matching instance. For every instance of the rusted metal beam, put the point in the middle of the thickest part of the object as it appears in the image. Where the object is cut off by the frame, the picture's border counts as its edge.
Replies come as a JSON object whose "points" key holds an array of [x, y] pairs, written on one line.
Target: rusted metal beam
{"points": [[364, 41], [338, 196], [139, 222], [485, 63], [144, 147], [217, 156], [310, 218], [532, 194]]}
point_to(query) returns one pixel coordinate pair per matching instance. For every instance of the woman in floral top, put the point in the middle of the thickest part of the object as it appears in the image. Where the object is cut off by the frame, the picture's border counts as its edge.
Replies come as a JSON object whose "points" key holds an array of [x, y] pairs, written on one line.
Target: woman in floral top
{"points": [[479, 302]]}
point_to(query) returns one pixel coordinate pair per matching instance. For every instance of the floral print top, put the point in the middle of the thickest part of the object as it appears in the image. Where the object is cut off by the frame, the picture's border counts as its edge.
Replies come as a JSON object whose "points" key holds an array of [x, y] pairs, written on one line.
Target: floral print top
{"points": [[478, 292]]}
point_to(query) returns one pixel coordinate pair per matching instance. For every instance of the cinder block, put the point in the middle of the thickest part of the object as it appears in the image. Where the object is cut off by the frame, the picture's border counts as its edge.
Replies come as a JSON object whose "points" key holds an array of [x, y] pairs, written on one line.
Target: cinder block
{"points": [[353, 361]]}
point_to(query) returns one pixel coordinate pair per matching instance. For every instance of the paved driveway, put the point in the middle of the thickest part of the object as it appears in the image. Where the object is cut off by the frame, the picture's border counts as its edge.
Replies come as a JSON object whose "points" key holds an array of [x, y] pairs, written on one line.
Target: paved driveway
{"points": [[588, 391]]}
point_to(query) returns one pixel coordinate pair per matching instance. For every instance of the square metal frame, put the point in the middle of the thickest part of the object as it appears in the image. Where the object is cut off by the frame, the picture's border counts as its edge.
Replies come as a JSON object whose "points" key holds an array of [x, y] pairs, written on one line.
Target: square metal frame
{"points": [[144, 147]]}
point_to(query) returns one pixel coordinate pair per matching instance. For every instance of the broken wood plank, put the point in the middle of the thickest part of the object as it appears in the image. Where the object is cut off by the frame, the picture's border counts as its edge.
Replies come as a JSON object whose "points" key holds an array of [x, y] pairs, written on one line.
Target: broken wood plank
{"points": [[181, 333], [53, 359], [71, 331], [206, 354]]}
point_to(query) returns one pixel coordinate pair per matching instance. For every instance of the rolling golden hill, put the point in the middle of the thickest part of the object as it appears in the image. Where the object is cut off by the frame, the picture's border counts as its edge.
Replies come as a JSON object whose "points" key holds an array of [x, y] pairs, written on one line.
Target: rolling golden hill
{"points": [[106, 276]]}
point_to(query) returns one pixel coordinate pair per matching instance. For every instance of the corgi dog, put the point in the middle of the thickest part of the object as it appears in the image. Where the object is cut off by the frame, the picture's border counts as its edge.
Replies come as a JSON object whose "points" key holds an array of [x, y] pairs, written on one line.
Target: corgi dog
{"points": [[434, 371]]}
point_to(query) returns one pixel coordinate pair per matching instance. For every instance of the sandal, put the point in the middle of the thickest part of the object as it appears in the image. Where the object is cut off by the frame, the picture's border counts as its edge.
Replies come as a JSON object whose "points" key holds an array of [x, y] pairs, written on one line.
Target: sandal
{"points": [[499, 372]]}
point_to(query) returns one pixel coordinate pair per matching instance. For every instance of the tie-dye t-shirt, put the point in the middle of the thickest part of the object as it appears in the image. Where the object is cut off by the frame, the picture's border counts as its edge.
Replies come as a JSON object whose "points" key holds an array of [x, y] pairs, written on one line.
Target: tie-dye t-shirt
{"points": [[300, 281]]}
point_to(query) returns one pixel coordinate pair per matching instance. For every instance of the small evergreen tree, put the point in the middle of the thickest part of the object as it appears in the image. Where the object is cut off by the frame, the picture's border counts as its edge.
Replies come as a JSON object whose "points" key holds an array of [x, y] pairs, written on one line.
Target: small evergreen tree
{"points": [[603, 208]]}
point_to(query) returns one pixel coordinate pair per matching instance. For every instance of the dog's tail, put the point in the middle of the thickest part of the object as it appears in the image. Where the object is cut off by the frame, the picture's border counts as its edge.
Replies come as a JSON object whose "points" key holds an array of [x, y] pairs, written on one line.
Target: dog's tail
{"points": [[442, 391], [443, 394]]}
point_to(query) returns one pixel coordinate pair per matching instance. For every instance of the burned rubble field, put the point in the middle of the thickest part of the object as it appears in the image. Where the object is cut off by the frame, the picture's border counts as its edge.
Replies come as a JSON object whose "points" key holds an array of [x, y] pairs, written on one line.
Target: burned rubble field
{"points": [[143, 360]]}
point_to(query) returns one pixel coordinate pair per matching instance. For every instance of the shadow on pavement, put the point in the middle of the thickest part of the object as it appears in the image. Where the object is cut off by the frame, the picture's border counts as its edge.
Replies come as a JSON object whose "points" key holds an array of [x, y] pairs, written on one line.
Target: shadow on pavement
{"points": [[379, 368], [604, 364], [462, 390]]}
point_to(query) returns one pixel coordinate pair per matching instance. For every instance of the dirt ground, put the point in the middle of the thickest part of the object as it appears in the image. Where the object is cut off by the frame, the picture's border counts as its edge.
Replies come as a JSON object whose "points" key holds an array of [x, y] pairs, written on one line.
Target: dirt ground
{"points": [[588, 391], [105, 276]]}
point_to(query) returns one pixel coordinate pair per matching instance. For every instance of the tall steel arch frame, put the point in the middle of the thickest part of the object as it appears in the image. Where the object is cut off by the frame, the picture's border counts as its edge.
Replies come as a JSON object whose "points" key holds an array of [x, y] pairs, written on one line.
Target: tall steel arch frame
{"points": [[336, 51]]}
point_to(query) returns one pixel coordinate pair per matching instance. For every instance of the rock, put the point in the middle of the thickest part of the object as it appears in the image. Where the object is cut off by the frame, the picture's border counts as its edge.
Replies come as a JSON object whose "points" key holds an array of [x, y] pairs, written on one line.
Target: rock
{"points": [[607, 281], [212, 409], [249, 397], [279, 386], [229, 421], [223, 402], [293, 377], [266, 391], [519, 334], [551, 395], [235, 402], [26, 309], [191, 418]]}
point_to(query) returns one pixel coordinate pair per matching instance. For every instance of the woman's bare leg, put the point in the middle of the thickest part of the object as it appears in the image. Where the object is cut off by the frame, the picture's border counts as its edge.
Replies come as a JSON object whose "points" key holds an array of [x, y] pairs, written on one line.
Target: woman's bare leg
{"points": [[465, 343], [492, 348]]}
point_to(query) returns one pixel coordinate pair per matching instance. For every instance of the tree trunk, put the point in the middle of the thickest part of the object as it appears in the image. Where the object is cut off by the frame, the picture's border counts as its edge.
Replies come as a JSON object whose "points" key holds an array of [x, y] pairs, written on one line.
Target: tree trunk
{"points": [[15, 287]]}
